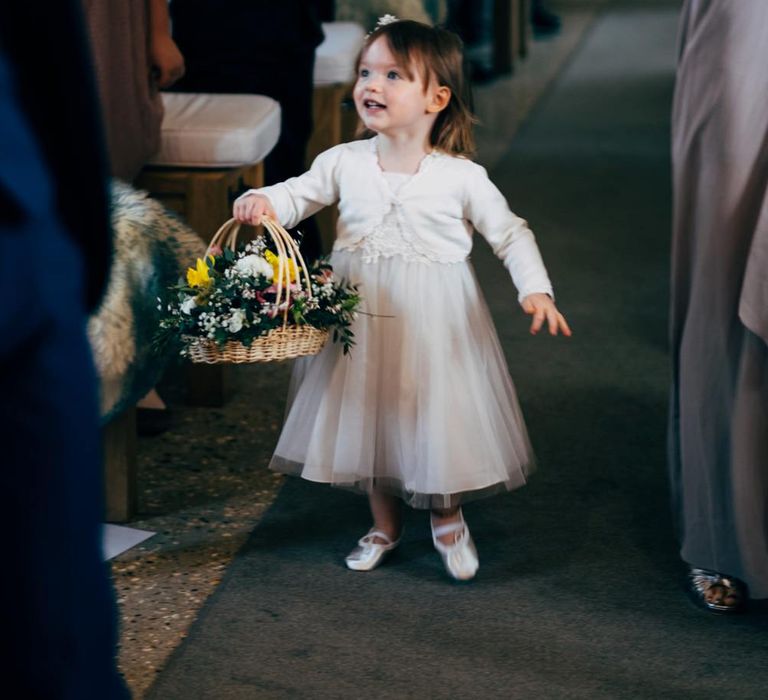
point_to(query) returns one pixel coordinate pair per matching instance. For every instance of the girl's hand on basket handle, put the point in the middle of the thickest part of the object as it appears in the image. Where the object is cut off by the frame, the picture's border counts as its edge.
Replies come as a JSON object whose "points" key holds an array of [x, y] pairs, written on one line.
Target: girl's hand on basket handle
{"points": [[542, 308], [250, 208]]}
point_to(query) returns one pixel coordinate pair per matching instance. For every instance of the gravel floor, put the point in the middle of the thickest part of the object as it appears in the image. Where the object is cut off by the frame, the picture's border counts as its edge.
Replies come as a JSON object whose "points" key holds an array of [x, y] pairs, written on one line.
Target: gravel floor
{"points": [[204, 484]]}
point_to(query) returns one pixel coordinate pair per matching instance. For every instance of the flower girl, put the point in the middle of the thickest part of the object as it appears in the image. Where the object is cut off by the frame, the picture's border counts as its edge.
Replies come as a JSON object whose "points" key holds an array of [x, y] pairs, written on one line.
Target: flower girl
{"points": [[424, 411]]}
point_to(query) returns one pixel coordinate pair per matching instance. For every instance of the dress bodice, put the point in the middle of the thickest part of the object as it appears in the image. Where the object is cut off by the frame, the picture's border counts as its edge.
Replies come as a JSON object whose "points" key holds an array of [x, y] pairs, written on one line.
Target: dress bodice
{"points": [[392, 237]]}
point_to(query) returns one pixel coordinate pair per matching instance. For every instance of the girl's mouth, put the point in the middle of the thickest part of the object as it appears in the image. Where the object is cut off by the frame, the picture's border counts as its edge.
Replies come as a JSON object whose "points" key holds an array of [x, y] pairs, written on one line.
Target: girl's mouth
{"points": [[372, 104]]}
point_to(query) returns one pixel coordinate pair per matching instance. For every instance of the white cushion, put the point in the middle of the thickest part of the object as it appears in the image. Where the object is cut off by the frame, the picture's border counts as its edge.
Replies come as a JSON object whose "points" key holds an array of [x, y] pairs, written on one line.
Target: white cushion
{"points": [[217, 131], [335, 57]]}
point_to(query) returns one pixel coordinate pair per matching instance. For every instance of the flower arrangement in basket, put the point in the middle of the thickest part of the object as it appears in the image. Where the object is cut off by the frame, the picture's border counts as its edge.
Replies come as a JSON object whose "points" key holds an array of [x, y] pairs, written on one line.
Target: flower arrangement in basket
{"points": [[248, 303]]}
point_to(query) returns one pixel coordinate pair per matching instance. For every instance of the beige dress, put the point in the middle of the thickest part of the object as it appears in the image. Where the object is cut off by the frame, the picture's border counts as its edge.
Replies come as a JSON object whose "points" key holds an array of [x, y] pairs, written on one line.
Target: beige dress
{"points": [[423, 408]]}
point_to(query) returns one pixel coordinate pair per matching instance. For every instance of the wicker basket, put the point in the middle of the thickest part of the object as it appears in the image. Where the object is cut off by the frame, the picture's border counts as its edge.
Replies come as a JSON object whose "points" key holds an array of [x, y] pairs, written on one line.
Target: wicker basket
{"points": [[284, 343]]}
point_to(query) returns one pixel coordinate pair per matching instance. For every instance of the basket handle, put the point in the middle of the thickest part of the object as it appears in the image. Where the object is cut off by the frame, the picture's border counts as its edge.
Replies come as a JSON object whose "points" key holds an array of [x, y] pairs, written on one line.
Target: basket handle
{"points": [[287, 250]]}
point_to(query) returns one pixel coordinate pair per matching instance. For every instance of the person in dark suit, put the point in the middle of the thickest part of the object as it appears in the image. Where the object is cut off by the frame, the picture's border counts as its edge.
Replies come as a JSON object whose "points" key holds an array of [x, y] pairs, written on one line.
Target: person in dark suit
{"points": [[58, 606], [262, 48]]}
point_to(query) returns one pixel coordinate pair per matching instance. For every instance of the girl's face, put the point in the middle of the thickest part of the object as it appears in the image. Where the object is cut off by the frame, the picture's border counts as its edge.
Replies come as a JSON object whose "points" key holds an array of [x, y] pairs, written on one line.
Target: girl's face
{"points": [[391, 103]]}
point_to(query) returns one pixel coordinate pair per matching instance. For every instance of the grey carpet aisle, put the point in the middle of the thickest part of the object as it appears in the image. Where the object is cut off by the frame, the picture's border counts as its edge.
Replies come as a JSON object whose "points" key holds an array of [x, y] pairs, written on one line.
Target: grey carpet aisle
{"points": [[578, 592]]}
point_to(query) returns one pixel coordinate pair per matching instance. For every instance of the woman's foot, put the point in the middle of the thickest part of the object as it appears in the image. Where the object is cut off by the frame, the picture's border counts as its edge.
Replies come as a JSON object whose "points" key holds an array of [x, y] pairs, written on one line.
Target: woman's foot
{"points": [[371, 550], [715, 591], [452, 540]]}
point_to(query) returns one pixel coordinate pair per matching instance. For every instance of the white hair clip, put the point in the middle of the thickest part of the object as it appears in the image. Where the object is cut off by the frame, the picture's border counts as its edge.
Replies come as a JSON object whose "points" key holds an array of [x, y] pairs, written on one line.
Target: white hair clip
{"points": [[383, 21]]}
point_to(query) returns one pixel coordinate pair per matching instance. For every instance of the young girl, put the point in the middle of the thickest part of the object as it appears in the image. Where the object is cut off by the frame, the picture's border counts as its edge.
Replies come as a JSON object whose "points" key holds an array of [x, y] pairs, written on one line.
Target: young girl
{"points": [[423, 411]]}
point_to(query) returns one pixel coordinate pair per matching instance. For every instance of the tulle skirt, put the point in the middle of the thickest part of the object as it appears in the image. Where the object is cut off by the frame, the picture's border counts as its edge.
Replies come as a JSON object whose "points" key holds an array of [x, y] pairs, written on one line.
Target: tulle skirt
{"points": [[424, 407]]}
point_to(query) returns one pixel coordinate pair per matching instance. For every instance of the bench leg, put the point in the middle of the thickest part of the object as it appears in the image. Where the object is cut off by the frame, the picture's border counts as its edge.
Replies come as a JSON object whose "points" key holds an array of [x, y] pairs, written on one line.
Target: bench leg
{"points": [[206, 385], [119, 437]]}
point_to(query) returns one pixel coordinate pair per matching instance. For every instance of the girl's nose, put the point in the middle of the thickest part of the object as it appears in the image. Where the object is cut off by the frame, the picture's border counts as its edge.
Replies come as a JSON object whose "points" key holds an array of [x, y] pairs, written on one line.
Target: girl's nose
{"points": [[374, 84]]}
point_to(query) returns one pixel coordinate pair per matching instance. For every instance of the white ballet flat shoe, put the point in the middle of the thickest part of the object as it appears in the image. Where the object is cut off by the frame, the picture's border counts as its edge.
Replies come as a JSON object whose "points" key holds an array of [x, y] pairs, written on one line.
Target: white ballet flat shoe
{"points": [[459, 558], [369, 554]]}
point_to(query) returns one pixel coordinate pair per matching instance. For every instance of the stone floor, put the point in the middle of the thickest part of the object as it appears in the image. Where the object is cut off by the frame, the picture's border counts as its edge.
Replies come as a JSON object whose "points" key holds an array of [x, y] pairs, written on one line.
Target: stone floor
{"points": [[204, 483]]}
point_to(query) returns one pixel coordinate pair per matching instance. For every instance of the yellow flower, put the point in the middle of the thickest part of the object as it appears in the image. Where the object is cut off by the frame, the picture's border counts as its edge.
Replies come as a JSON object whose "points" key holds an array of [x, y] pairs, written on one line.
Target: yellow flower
{"points": [[290, 267], [199, 277]]}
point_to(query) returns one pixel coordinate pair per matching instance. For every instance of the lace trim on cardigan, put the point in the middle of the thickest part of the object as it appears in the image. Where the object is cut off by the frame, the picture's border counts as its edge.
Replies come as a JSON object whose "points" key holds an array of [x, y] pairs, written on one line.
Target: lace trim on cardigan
{"points": [[389, 239]]}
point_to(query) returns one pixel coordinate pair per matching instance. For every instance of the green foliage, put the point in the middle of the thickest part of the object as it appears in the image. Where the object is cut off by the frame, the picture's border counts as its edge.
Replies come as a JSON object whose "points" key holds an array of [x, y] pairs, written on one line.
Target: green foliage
{"points": [[237, 301]]}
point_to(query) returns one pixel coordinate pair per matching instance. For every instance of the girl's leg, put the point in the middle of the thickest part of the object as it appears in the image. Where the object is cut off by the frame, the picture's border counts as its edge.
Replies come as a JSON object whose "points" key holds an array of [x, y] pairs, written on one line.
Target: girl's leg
{"points": [[387, 524], [387, 515]]}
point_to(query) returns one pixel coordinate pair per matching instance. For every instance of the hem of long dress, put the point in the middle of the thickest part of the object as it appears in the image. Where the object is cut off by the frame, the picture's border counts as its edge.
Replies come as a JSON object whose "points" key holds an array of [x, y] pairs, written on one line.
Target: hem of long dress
{"points": [[395, 487]]}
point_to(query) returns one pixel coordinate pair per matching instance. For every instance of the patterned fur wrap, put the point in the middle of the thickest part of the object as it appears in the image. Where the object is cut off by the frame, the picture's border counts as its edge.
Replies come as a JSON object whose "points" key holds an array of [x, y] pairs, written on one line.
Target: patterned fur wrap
{"points": [[152, 248]]}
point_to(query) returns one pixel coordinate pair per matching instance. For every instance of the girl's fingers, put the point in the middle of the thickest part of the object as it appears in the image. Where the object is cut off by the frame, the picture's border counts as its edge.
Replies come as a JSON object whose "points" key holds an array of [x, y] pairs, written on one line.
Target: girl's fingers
{"points": [[538, 321], [254, 213], [251, 209], [553, 321], [556, 322]]}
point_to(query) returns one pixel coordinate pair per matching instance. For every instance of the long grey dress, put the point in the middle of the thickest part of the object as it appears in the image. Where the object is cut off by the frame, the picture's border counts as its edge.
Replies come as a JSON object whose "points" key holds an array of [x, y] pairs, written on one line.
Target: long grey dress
{"points": [[718, 439], [131, 106]]}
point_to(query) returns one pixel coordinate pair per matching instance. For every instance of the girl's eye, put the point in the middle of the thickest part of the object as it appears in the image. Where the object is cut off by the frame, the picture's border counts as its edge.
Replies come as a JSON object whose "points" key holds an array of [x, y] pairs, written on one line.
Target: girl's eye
{"points": [[393, 75], [364, 72]]}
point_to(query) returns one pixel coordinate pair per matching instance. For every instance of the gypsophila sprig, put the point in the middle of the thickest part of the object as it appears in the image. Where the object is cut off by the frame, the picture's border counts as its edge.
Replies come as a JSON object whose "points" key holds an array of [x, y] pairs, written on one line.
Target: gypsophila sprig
{"points": [[232, 296]]}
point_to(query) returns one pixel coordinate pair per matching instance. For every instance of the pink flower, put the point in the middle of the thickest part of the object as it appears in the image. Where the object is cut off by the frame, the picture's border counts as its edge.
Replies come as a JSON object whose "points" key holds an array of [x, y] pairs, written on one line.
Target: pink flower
{"points": [[324, 276]]}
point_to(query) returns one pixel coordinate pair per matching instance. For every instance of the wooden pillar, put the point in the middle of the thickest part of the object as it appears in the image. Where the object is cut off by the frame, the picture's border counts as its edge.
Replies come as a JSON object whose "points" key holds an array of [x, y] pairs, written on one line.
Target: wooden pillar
{"points": [[523, 26], [120, 482], [504, 33], [511, 24]]}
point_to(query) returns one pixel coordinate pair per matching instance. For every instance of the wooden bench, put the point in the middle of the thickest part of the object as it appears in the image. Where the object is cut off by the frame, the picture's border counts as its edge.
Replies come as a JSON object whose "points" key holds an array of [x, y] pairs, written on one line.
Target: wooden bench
{"points": [[213, 147], [333, 78]]}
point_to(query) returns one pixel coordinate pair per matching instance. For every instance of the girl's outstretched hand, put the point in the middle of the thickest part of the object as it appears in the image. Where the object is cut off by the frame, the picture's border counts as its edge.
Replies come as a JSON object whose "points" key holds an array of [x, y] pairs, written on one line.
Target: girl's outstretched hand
{"points": [[250, 209], [542, 308]]}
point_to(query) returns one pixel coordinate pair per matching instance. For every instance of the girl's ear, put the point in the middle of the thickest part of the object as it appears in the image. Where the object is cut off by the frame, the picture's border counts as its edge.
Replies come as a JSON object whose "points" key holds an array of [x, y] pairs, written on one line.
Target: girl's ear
{"points": [[440, 99]]}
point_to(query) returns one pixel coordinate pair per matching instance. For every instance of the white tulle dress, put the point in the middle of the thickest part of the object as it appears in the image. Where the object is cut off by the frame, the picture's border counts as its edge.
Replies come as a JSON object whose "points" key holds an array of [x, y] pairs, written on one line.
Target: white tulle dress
{"points": [[424, 408]]}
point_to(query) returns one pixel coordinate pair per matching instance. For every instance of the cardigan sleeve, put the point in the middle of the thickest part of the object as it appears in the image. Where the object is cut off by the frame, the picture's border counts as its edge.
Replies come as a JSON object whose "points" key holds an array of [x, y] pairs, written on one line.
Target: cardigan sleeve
{"points": [[508, 235], [299, 197]]}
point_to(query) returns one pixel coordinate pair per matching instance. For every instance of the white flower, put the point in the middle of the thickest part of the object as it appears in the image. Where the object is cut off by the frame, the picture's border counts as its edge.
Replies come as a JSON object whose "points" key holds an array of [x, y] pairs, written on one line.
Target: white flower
{"points": [[188, 304], [236, 321], [253, 265], [258, 245]]}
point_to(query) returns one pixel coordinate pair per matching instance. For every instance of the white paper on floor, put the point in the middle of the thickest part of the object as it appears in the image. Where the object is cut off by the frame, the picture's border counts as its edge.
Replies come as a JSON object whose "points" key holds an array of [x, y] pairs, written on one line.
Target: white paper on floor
{"points": [[117, 539]]}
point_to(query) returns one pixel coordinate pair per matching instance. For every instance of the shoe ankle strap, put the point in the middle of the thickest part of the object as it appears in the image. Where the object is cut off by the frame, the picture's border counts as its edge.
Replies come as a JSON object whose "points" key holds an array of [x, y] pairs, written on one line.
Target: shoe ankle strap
{"points": [[373, 534], [448, 528]]}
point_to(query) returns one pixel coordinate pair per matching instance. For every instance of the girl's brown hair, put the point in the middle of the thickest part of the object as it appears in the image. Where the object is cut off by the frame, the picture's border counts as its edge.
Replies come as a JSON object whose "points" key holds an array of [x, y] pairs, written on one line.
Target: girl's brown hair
{"points": [[439, 55]]}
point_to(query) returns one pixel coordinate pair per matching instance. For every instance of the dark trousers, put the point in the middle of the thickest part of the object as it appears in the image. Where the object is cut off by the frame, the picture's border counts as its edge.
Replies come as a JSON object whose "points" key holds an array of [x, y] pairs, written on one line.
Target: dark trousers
{"points": [[58, 608]]}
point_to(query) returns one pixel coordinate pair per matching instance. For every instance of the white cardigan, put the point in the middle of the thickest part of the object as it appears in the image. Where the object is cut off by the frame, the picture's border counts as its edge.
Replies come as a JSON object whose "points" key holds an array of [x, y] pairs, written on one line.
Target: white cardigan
{"points": [[439, 205]]}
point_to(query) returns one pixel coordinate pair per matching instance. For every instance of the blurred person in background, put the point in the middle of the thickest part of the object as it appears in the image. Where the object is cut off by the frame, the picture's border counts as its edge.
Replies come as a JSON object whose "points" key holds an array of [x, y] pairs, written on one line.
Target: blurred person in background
{"points": [[263, 48], [58, 607], [134, 58]]}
